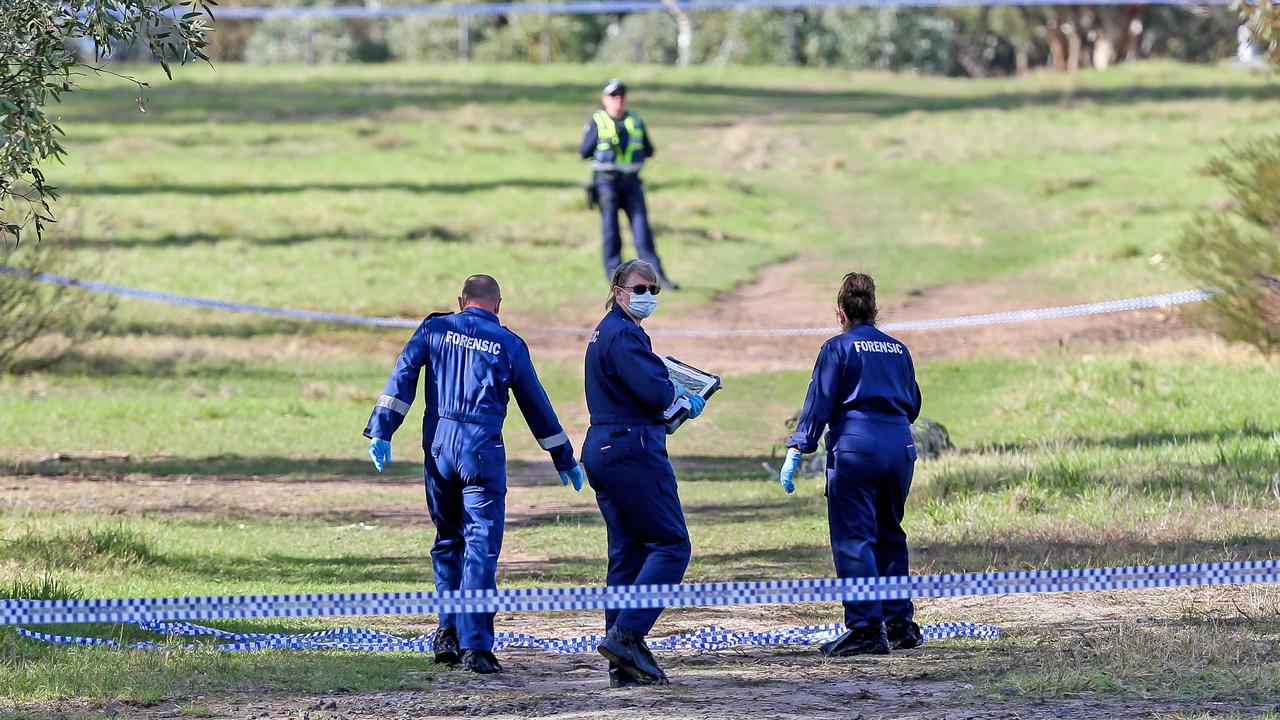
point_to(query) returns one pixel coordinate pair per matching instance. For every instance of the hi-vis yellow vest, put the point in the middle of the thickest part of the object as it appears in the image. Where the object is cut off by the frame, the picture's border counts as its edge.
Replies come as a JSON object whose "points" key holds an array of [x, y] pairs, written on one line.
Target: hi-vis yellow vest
{"points": [[610, 157]]}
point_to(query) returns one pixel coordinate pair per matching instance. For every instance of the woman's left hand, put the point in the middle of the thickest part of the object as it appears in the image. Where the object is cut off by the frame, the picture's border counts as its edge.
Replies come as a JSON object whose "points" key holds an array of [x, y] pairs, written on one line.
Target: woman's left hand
{"points": [[789, 467], [696, 405]]}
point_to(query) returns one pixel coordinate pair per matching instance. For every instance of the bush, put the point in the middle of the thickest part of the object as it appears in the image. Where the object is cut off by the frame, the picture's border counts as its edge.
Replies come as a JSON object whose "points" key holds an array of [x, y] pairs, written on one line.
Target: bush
{"points": [[648, 38], [306, 40], [424, 39], [1237, 250], [541, 39], [40, 322]]}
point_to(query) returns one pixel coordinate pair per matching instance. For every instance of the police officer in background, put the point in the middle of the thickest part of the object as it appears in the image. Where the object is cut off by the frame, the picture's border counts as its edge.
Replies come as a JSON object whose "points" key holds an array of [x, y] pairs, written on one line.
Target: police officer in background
{"points": [[864, 391], [471, 361], [625, 455], [617, 143]]}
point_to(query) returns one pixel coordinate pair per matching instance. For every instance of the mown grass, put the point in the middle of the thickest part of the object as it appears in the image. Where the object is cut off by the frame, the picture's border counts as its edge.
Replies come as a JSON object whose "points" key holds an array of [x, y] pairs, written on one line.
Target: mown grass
{"points": [[371, 190]]}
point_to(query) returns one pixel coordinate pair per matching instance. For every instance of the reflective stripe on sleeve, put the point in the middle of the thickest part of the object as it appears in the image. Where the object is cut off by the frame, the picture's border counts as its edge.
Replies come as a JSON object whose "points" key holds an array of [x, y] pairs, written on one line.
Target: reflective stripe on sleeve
{"points": [[554, 441], [394, 404]]}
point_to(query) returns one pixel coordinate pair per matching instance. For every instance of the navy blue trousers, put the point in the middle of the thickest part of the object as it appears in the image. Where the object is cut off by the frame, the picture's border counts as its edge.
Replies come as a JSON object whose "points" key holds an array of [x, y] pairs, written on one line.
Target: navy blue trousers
{"points": [[466, 479], [868, 478], [635, 487], [625, 193]]}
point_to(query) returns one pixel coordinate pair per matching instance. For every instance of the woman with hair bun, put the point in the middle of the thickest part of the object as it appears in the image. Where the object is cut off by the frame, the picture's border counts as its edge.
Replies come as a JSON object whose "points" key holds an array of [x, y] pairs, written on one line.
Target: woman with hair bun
{"points": [[864, 392]]}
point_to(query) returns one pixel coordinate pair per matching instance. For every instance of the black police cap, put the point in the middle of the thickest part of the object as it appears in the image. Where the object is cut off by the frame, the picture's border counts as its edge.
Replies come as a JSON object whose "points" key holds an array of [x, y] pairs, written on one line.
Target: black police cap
{"points": [[614, 87]]}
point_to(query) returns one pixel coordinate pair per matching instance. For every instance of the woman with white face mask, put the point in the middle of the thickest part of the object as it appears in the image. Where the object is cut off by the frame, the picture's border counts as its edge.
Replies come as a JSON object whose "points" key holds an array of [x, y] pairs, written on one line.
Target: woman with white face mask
{"points": [[625, 456]]}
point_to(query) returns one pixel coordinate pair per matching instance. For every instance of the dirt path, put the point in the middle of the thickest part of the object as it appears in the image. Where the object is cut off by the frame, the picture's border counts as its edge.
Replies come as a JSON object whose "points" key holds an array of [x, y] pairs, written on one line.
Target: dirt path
{"points": [[781, 296], [367, 502], [763, 684]]}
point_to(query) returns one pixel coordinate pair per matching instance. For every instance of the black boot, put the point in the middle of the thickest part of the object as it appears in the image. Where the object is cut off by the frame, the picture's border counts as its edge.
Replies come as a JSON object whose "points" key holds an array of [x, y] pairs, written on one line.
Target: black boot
{"points": [[480, 661], [903, 634], [446, 647], [870, 640], [644, 648], [618, 678], [624, 648]]}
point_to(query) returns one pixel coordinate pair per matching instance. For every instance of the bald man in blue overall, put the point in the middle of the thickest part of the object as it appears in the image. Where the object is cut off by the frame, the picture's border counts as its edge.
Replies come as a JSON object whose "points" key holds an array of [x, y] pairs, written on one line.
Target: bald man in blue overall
{"points": [[472, 361], [864, 392]]}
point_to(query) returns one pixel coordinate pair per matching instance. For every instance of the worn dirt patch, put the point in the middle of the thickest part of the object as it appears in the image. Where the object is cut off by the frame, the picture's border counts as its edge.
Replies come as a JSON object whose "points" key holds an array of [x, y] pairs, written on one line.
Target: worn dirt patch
{"points": [[713, 685], [370, 502], [781, 297]]}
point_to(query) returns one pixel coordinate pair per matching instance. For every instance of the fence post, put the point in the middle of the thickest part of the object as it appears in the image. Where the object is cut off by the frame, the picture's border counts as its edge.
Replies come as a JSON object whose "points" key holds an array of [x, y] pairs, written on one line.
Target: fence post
{"points": [[464, 38]]}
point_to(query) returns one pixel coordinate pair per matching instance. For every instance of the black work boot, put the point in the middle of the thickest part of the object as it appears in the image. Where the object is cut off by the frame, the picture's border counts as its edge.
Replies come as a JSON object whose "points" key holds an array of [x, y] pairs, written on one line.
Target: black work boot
{"points": [[626, 649], [445, 642], [644, 648], [870, 640], [618, 678], [480, 661], [903, 634]]}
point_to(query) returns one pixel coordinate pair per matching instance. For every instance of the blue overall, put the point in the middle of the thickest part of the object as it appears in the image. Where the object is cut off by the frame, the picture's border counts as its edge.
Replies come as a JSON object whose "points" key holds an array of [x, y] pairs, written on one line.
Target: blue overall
{"points": [[864, 391], [472, 362], [625, 456], [621, 191]]}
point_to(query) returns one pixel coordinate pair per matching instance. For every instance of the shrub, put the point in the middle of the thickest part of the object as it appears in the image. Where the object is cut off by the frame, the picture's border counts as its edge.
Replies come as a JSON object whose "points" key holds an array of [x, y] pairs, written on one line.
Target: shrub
{"points": [[40, 322], [1237, 249], [305, 40]]}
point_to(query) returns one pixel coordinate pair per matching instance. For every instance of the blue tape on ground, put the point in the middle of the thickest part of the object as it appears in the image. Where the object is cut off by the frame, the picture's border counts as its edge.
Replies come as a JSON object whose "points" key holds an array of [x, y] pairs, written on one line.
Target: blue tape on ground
{"points": [[41, 612], [1052, 313], [704, 639]]}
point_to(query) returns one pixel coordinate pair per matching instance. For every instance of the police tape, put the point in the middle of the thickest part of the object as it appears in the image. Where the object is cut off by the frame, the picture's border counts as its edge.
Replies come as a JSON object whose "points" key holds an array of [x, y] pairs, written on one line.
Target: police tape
{"points": [[703, 639], [127, 610], [1144, 302]]}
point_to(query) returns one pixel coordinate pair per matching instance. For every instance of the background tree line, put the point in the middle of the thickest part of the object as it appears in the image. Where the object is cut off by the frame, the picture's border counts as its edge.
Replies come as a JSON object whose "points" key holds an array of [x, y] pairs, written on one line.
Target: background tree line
{"points": [[961, 41]]}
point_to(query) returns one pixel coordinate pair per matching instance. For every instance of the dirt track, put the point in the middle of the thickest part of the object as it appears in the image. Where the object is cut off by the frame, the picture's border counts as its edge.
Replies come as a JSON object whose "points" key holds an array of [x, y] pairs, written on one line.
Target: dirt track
{"points": [[763, 684], [780, 297]]}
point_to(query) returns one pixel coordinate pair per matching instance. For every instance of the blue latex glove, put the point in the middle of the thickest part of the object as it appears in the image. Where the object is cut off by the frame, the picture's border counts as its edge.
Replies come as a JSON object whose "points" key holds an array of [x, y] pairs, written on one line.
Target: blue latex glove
{"points": [[680, 390], [380, 451], [789, 466], [696, 404], [572, 475]]}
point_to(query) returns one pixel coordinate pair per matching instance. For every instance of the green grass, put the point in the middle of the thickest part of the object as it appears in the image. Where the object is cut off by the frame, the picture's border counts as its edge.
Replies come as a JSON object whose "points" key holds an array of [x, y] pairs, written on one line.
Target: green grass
{"points": [[374, 190]]}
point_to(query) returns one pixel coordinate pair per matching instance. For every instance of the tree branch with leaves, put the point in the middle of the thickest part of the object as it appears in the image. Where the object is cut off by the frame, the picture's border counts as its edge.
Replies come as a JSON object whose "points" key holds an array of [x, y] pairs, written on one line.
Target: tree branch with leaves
{"points": [[40, 63]]}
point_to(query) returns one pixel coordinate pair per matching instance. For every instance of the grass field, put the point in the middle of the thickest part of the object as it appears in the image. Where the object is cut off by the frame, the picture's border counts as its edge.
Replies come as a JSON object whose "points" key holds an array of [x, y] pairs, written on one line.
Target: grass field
{"points": [[189, 452]]}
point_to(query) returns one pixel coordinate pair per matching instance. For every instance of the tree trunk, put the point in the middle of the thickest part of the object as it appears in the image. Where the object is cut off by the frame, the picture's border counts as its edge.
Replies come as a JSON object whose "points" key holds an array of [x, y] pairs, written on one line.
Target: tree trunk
{"points": [[464, 38], [1135, 21], [1057, 40], [684, 32], [1075, 44], [1021, 60]]}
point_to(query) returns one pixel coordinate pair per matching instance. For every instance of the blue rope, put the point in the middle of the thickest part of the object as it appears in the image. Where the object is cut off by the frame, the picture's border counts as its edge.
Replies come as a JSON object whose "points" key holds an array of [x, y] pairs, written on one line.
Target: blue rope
{"points": [[704, 639]]}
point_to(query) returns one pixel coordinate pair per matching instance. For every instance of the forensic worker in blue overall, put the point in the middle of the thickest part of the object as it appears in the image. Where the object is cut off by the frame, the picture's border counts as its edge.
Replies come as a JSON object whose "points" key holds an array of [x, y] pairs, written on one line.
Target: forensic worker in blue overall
{"points": [[625, 455], [471, 362], [617, 143], [864, 392]]}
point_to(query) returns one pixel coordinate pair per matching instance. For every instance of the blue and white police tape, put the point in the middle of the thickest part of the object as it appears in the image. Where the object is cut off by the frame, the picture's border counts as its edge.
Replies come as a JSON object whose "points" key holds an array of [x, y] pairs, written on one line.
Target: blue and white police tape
{"points": [[123, 610], [601, 7], [703, 639], [1144, 302]]}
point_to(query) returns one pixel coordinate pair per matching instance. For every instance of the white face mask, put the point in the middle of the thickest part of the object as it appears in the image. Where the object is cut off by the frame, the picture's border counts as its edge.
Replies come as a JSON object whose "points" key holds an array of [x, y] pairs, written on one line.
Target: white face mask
{"points": [[642, 306]]}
